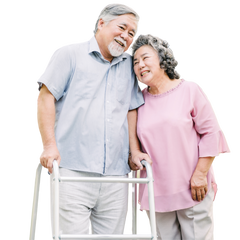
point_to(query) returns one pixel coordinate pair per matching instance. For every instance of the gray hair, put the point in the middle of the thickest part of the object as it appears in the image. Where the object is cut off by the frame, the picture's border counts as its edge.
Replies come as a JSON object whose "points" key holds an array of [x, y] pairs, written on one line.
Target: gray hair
{"points": [[112, 11], [165, 54]]}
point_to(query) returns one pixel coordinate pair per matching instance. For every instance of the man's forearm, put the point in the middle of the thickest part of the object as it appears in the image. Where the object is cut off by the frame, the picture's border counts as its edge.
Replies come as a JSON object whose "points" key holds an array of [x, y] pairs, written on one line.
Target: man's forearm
{"points": [[132, 128], [46, 117], [136, 153]]}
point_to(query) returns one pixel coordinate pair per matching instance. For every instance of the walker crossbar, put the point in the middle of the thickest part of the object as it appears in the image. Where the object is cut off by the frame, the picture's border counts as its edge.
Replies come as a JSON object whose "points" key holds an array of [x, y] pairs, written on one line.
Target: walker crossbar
{"points": [[103, 180], [97, 236], [148, 180]]}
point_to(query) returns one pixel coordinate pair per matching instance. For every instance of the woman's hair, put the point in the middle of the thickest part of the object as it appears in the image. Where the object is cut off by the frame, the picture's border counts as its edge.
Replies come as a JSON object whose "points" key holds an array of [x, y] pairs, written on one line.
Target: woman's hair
{"points": [[112, 11], [165, 54]]}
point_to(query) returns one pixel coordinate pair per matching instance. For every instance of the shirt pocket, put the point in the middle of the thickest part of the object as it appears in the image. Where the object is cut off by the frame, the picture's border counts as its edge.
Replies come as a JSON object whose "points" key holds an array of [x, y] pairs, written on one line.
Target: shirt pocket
{"points": [[85, 84], [123, 90]]}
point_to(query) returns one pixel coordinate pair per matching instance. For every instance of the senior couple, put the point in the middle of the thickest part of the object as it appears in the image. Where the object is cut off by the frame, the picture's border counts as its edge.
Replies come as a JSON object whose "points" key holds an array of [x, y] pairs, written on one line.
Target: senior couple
{"points": [[91, 114]]}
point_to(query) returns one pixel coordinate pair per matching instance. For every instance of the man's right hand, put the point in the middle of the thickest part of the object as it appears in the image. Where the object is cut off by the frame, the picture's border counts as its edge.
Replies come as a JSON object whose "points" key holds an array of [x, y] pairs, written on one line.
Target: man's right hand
{"points": [[49, 154]]}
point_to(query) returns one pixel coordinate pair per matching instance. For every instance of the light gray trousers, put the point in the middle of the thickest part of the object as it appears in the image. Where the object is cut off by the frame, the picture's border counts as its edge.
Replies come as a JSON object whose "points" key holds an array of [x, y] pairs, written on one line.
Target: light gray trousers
{"points": [[104, 204], [195, 223]]}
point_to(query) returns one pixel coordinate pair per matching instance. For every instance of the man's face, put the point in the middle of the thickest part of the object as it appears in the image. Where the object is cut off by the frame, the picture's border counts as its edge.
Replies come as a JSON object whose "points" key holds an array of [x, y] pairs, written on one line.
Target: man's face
{"points": [[116, 37]]}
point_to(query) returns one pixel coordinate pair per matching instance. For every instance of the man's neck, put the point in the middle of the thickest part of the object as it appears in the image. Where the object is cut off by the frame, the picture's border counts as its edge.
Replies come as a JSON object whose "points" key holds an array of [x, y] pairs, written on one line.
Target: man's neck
{"points": [[104, 50]]}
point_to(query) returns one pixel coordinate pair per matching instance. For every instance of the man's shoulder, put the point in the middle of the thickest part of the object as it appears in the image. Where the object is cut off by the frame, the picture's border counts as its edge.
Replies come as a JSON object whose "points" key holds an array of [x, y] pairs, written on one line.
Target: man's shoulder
{"points": [[74, 46], [127, 60], [127, 56]]}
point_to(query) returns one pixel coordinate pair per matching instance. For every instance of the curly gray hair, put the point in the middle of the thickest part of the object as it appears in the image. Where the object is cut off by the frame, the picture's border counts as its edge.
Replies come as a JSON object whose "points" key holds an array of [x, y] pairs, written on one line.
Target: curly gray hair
{"points": [[165, 54], [112, 11]]}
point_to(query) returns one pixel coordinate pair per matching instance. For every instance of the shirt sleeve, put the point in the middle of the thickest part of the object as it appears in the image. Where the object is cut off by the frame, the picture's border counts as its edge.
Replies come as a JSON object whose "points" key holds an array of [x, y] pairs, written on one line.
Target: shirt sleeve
{"points": [[136, 94], [58, 72], [212, 140]]}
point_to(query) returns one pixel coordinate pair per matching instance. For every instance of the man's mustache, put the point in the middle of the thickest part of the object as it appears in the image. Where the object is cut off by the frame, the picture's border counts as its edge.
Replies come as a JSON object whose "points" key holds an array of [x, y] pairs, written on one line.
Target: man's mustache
{"points": [[121, 40]]}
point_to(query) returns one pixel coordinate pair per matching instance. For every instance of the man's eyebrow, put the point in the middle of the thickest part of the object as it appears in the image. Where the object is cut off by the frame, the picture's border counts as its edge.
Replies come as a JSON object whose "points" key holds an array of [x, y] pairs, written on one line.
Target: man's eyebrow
{"points": [[140, 56], [124, 24]]}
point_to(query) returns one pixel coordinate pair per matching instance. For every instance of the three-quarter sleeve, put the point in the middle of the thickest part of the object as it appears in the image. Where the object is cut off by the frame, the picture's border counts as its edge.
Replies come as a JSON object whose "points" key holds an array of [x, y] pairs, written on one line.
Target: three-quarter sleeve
{"points": [[212, 140]]}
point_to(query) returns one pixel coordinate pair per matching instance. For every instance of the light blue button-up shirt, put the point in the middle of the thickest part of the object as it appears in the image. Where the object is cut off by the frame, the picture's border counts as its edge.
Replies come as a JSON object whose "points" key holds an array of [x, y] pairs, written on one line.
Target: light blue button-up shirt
{"points": [[93, 99]]}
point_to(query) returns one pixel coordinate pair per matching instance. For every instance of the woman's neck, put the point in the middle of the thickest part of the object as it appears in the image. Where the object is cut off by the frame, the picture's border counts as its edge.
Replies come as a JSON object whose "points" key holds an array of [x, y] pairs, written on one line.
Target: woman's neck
{"points": [[161, 85]]}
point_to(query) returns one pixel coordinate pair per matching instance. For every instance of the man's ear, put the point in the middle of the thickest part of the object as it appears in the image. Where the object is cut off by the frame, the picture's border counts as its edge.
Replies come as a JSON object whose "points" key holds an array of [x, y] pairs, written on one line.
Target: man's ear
{"points": [[100, 23]]}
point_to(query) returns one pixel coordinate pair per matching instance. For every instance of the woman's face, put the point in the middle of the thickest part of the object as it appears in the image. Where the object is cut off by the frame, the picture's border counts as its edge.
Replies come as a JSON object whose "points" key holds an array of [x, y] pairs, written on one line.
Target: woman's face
{"points": [[147, 65]]}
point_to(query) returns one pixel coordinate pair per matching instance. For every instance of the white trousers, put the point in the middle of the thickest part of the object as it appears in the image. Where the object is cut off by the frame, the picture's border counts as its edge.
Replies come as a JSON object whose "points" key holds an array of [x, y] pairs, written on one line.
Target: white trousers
{"points": [[195, 223], [104, 204]]}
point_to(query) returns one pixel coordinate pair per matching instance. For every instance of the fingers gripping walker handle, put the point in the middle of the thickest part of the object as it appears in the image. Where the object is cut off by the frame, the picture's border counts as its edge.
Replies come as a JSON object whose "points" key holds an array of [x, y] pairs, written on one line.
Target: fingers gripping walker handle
{"points": [[146, 164]]}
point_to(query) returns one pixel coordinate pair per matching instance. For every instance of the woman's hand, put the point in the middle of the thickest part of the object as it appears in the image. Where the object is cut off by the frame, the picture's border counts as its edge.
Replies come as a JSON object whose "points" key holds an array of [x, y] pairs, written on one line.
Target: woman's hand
{"points": [[199, 186]]}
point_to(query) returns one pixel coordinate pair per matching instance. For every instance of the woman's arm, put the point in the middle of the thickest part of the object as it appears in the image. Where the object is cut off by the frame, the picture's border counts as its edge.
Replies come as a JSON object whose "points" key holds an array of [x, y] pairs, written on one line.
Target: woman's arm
{"points": [[199, 184], [211, 143]]}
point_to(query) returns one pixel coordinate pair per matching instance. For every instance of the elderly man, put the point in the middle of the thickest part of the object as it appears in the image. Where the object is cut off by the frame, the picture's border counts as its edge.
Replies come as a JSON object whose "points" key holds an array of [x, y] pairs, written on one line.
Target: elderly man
{"points": [[88, 93]]}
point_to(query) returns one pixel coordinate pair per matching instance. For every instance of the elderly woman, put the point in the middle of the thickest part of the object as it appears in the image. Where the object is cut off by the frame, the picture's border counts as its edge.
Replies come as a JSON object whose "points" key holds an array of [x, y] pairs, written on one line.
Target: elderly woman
{"points": [[177, 128]]}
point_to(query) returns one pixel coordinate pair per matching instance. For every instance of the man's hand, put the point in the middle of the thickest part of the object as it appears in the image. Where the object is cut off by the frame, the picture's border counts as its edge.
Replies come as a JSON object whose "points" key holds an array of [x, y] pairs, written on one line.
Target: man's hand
{"points": [[131, 164], [136, 158], [50, 154], [199, 186]]}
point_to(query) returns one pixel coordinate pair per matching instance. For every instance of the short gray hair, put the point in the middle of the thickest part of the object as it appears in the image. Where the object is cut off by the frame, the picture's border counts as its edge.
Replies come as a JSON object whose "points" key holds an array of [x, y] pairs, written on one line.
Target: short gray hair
{"points": [[165, 54], [112, 11]]}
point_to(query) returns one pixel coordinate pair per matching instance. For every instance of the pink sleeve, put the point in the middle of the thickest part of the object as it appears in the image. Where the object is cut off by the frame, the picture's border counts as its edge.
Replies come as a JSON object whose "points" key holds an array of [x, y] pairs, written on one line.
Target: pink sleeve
{"points": [[212, 140]]}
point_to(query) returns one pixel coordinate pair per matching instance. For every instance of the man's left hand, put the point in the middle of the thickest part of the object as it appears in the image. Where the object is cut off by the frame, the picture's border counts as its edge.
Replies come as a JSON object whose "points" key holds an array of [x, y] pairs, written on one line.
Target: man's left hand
{"points": [[131, 164], [199, 186], [136, 158]]}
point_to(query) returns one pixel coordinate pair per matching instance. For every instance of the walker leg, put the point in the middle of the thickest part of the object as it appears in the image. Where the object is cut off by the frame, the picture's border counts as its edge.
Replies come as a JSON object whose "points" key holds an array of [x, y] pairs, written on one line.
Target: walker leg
{"points": [[135, 212], [35, 202]]}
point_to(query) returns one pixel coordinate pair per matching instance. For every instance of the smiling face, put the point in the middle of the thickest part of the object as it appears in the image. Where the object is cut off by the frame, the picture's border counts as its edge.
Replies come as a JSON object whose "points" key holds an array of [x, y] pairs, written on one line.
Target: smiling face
{"points": [[115, 37], [147, 65]]}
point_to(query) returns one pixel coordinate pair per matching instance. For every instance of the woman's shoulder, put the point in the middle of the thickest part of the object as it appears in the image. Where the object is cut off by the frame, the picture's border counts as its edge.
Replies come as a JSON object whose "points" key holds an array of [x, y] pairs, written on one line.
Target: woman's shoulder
{"points": [[194, 89], [190, 84]]}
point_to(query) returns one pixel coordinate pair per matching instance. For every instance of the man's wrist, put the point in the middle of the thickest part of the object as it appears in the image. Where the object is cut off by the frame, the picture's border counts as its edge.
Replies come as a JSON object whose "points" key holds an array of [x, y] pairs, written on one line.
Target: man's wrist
{"points": [[135, 152]]}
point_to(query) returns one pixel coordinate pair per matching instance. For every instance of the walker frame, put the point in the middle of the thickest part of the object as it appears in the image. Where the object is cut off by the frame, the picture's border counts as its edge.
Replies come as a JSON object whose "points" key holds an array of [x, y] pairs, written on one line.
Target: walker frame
{"points": [[58, 179]]}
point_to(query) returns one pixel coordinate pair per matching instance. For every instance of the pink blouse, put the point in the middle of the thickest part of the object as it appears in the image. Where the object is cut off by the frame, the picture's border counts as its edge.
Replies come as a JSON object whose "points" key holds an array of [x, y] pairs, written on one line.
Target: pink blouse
{"points": [[176, 128]]}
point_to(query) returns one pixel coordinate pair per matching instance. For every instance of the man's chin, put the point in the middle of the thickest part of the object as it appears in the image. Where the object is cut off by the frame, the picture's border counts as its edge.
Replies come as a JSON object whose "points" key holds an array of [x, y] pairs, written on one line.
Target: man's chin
{"points": [[116, 53]]}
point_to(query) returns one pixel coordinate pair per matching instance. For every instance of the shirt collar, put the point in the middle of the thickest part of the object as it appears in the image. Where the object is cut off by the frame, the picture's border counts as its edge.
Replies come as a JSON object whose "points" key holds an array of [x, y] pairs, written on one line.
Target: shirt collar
{"points": [[93, 47]]}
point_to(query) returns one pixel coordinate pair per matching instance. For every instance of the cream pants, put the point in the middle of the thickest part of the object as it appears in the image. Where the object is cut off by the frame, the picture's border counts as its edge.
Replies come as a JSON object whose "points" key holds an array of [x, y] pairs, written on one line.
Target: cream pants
{"points": [[104, 204], [195, 223]]}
